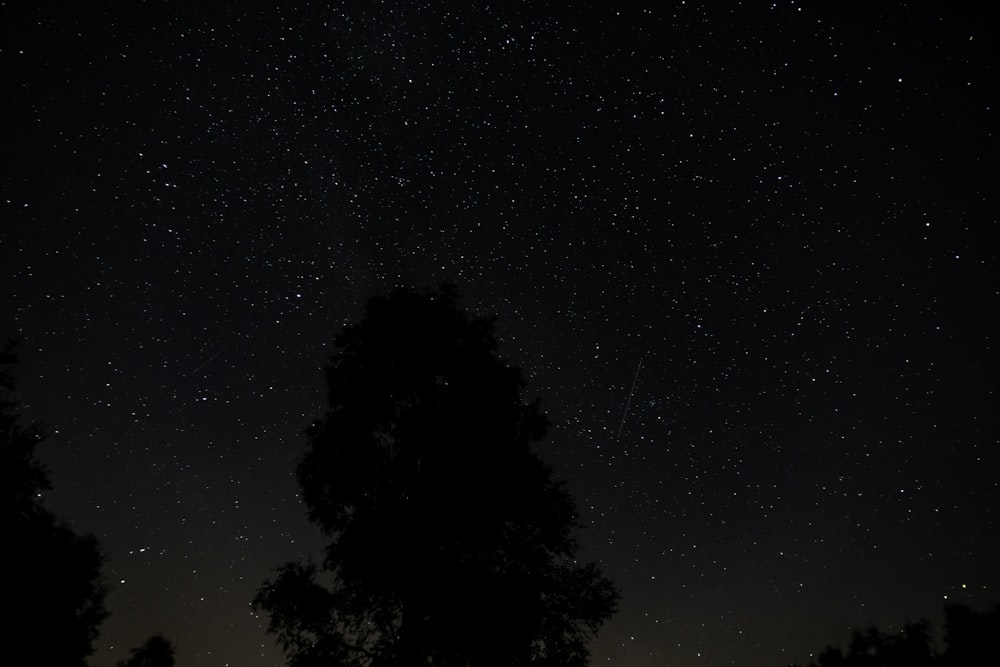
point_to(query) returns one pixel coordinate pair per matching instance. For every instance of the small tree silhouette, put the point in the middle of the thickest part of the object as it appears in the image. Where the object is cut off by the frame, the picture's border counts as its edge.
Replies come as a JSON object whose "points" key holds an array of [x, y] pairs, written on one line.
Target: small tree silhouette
{"points": [[54, 587], [155, 652], [450, 541]]}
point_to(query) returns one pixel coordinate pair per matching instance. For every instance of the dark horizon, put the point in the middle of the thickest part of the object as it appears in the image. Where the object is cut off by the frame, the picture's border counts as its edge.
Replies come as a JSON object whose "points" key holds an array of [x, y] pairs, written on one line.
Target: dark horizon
{"points": [[785, 212]]}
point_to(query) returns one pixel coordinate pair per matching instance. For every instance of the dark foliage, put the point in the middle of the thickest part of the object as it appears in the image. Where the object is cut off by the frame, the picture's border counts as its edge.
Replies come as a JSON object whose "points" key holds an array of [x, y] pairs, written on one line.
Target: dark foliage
{"points": [[970, 637], [54, 588], [970, 641], [450, 541], [155, 652]]}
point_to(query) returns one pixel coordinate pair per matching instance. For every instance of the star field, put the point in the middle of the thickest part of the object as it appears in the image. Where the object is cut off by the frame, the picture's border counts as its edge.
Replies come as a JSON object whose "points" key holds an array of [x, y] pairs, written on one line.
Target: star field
{"points": [[784, 210]]}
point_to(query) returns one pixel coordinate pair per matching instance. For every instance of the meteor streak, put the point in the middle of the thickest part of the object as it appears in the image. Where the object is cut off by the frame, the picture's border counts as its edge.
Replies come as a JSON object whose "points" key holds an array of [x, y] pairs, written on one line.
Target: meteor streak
{"points": [[207, 361], [629, 401]]}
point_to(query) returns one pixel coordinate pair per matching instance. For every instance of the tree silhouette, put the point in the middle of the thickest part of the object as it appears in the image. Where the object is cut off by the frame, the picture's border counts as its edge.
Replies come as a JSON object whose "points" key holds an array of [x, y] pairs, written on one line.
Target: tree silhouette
{"points": [[155, 652], [970, 641], [971, 637], [450, 541], [54, 588]]}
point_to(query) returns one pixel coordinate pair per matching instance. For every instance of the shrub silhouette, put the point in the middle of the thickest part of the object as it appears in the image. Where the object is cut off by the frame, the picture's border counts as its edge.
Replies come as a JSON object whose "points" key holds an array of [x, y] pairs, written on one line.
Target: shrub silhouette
{"points": [[155, 652]]}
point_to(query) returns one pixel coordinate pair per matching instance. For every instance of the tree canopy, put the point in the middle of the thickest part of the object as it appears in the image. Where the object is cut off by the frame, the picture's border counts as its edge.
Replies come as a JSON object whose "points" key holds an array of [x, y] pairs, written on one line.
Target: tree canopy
{"points": [[157, 651], [54, 588], [970, 640], [451, 542]]}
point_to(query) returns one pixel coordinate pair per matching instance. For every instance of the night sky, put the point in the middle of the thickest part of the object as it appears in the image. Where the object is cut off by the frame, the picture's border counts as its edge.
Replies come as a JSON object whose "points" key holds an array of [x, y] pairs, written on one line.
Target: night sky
{"points": [[785, 212]]}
